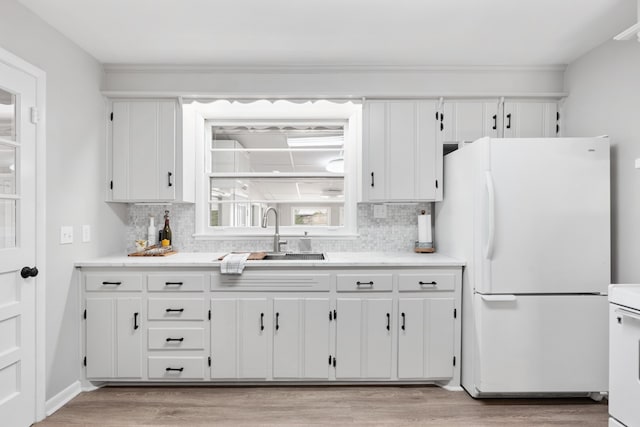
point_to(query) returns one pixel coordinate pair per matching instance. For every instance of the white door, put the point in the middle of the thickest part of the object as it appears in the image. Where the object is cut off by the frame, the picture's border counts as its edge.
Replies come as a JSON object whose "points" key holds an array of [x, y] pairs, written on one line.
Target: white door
{"points": [[541, 343], [470, 120], [129, 338], [550, 201], [224, 335], [17, 247], [253, 332], [287, 351], [532, 119], [316, 338], [100, 337]]}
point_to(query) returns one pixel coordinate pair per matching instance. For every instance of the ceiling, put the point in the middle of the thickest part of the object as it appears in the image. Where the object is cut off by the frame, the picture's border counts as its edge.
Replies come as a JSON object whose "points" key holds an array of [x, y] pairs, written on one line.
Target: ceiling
{"points": [[337, 32]]}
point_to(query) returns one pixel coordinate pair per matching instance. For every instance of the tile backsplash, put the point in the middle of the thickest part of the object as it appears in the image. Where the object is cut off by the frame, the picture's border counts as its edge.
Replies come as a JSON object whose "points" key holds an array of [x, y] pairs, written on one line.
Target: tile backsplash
{"points": [[395, 233]]}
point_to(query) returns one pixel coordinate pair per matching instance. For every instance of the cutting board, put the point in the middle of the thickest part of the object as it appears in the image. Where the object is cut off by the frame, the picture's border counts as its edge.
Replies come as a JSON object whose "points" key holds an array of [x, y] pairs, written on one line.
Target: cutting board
{"points": [[154, 252], [255, 256]]}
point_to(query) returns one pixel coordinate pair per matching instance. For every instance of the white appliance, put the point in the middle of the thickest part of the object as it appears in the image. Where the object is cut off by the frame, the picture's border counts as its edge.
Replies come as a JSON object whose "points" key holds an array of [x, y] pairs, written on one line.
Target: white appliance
{"points": [[624, 355], [531, 219]]}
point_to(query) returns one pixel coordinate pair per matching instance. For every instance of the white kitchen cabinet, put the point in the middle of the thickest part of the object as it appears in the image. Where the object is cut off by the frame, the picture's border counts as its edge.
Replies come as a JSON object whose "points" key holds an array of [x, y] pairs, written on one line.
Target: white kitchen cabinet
{"points": [[147, 160], [113, 336], [468, 120], [425, 338], [530, 119], [239, 331], [402, 154], [363, 338], [301, 338]]}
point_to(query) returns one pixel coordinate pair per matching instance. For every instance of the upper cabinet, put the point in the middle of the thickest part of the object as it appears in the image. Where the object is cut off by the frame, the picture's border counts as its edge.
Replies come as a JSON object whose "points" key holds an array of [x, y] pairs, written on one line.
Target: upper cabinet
{"points": [[531, 119], [145, 152], [469, 120], [402, 156]]}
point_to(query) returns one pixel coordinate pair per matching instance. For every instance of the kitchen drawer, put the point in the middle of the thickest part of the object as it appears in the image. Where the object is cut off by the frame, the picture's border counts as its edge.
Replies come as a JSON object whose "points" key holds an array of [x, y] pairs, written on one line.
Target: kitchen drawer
{"points": [[176, 368], [364, 282], [426, 282], [175, 282], [176, 338], [268, 281], [176, 309], [115, 281]]}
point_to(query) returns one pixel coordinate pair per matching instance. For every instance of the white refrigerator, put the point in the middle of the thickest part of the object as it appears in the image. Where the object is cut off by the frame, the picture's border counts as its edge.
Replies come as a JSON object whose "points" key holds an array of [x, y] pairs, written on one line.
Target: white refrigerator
{"points": [[531, 217]]}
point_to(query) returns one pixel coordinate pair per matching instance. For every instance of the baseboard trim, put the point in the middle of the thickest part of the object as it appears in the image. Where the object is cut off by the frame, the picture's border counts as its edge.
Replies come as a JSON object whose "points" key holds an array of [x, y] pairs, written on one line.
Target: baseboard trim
{"points": [[61, 399]]}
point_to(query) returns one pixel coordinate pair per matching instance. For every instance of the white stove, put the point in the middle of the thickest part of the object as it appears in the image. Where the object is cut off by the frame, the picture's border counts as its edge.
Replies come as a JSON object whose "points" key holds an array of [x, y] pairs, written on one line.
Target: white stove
{"points": [[624, 355]]}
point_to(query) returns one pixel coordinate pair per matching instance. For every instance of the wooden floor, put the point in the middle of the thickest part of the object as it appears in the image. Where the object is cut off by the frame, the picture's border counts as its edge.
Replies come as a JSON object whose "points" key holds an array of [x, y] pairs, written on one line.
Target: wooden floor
{"points": [[316, 405]]}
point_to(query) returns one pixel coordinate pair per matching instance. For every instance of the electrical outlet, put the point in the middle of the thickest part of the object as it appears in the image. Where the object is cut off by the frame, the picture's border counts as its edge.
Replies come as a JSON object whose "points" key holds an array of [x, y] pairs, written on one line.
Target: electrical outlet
{"points": [[66, 234], [86, 233], [380, 211]]}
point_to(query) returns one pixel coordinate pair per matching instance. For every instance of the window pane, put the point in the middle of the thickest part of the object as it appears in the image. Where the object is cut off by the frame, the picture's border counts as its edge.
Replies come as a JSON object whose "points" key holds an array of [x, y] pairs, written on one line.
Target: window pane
{"points": [[327, 190], [311, 216], [7, 224], [7, 115], [7, 169]]}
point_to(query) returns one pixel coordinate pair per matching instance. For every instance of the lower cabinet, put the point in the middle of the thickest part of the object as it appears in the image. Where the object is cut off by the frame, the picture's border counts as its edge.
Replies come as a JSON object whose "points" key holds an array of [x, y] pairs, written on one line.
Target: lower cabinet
{"points": [[239, 331], [301, 338], [113, 337], [425, 338], [363, 338]]}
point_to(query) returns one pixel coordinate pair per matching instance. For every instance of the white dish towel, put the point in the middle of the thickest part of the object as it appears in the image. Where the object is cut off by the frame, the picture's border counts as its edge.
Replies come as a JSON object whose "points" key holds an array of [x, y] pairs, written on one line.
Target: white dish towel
{"points": [[234, 263]]}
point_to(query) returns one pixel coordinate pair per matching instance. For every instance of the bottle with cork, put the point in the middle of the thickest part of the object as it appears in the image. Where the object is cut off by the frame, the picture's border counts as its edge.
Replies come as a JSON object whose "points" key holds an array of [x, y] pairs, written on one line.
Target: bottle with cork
{"points": [[165, 234]]}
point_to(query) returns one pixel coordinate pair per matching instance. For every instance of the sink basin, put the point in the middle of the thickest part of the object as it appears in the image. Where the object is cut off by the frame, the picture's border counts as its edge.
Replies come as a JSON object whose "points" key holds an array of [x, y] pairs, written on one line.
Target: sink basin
{"points": [[295, 257]]}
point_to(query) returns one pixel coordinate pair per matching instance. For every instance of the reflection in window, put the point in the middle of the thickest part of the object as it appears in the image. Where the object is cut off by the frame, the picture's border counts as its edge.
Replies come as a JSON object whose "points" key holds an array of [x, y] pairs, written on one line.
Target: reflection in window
{"points": [[7, 115], [311, 216]]}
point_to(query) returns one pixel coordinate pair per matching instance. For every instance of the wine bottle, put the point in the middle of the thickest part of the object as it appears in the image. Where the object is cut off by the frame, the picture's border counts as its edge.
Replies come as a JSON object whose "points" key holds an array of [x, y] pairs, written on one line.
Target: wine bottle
{"points": [[166, 230]]}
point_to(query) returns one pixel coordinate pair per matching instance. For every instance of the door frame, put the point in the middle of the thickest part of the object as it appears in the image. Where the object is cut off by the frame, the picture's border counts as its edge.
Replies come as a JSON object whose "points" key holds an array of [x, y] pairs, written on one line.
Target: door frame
{"points": [[40, 295]]}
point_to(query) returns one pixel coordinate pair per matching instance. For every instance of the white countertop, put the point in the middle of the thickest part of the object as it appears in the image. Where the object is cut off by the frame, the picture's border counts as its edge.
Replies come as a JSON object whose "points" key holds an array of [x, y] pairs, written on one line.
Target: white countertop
{"points": [[332, 259], [626, 295]]}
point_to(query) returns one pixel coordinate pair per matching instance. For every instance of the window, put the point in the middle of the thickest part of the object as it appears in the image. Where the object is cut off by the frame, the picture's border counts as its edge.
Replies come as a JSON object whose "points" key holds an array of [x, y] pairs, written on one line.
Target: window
{"points": [[300, 160]]}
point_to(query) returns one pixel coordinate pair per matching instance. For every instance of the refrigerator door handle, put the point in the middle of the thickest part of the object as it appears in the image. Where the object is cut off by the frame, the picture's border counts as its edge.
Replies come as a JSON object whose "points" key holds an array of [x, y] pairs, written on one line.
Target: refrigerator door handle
{"points": [[498, 298], [492, 215]]}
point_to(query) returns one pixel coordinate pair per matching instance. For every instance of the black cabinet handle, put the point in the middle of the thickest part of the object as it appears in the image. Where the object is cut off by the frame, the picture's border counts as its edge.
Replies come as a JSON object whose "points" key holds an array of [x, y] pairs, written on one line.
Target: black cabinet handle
{"points": [[509, 121], [262, 321], [173, 283], [174, 369], [112, 283], [169, 175], [372, 180], [135, 321], [495, 122], [176, 310], [388, 322], [277, 321], [175, 339], [434, 283], [364, 283], [404, 321]]}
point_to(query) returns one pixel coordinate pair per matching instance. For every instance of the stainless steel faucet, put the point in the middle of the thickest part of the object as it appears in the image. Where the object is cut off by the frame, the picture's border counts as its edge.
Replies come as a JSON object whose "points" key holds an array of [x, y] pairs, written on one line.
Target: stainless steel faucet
{"points": [[276, 237]]}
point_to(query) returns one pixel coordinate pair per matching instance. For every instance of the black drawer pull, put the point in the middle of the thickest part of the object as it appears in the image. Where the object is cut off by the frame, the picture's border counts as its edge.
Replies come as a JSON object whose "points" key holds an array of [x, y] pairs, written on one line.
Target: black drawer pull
{"points": [[404, 321], [509, 121], [262, 321], [172, 310], [112, 283], [174, 369], [388, 321], [277, 321], [495, 122], [136, 325], [433, 283], [372, 180], [175, 339], [169, 183], [364, 283], [173, 283]]}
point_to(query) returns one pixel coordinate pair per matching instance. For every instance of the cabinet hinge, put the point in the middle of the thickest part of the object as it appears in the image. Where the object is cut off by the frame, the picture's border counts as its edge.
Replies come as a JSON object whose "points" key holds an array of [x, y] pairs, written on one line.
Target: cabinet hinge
{"points": [[334, 362], [209, 314], [335, 315], [209, 361], [330, 315], [84, 361], [84, 315], [111, 185], [330, 360], [454, 361], [455, 313], [111, 117], [436, 183], [557, 115]]}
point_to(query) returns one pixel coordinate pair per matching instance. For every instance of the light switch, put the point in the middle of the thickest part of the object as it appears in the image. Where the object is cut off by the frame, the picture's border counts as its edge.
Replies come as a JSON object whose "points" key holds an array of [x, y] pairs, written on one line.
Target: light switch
{"points": [[86, 233], [637, 163], [66, 234], [380, 211]]}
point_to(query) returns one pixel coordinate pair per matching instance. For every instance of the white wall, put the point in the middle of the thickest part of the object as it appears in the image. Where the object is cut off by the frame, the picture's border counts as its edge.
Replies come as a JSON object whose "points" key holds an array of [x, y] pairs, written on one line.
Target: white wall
{"points": [[75, 176], [604, 87]]}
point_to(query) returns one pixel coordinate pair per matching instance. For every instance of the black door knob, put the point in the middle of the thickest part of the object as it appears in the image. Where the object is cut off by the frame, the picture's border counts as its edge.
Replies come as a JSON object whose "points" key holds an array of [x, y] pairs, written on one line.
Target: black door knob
{"points": [[28, 272]]}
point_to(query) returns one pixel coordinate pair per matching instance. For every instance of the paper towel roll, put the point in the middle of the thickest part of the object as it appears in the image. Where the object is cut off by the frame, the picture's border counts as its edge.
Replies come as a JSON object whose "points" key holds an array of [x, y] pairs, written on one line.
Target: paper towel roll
{"points": [[424, 228]]}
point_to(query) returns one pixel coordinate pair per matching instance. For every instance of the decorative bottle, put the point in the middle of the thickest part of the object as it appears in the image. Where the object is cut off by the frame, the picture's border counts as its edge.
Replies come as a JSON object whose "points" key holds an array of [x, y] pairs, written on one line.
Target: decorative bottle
{"points": [[151, 232], [166, 230]]}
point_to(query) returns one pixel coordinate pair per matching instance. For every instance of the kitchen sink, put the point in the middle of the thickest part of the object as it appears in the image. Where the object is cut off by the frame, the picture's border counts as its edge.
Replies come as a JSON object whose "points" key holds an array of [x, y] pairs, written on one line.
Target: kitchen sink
{"points": [[288, 256]]}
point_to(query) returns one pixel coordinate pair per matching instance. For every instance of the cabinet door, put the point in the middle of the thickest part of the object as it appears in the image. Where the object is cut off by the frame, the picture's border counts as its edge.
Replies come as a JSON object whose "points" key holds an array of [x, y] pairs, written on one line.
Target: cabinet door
{"points": [[224, 334], [100, 337], [128, 338], [401, 150], [530, 119], [426, 338], [363, 346], [253, 330], [301, 338], [469, 120], [143, 150], [375, 135], [428, 154]]}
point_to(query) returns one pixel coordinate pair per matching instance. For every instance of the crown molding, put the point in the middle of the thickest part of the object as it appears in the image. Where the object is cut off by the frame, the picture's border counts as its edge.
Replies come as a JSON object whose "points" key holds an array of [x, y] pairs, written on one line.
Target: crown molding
{"points": [[321, 68]]}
